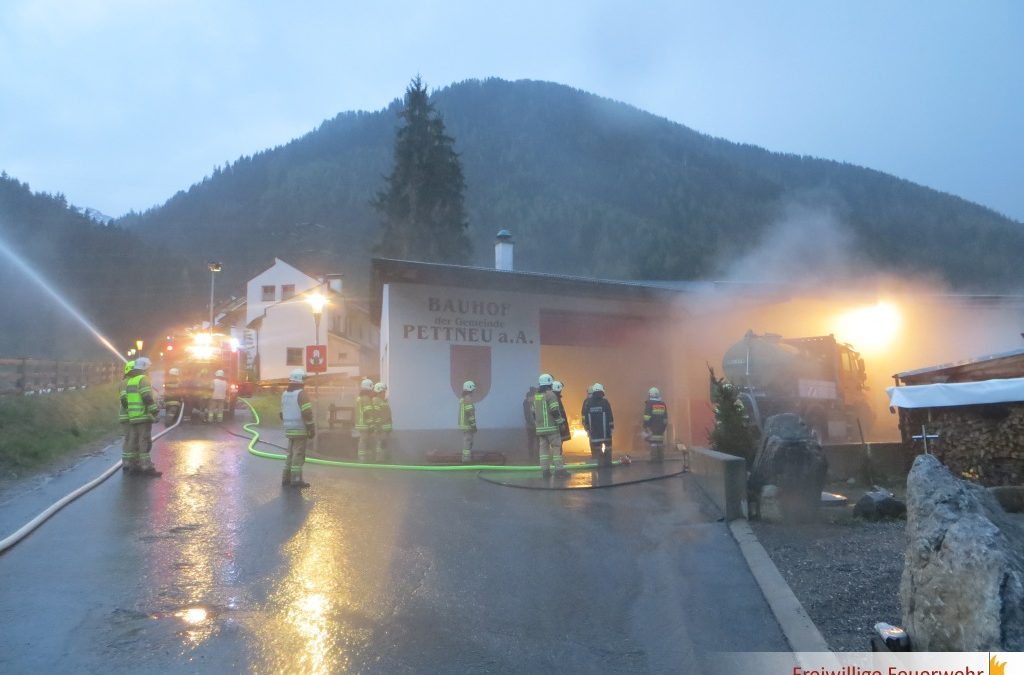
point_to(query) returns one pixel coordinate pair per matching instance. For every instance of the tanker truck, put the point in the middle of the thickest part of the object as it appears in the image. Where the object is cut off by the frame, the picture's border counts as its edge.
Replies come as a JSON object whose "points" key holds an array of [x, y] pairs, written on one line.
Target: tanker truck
{"points": [[818, 378]]}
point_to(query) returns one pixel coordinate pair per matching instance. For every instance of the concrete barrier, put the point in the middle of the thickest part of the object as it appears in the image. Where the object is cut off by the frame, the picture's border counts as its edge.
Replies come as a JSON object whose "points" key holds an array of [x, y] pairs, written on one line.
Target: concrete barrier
{"points": [[723, 478]]}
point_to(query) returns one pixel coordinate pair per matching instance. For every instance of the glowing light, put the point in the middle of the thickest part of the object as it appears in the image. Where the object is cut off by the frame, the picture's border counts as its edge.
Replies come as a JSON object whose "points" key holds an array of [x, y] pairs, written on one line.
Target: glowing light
{"points": [[869, 329], [317, 302]]}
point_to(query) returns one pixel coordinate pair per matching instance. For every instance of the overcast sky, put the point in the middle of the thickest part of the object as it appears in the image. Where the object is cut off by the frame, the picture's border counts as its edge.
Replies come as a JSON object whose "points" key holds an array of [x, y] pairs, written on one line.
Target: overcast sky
{"points": [[121, 103]]}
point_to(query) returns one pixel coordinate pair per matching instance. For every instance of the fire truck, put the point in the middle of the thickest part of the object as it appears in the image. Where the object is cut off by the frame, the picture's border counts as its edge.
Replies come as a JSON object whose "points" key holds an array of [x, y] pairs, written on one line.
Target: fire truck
{"points": [[198, 355]]}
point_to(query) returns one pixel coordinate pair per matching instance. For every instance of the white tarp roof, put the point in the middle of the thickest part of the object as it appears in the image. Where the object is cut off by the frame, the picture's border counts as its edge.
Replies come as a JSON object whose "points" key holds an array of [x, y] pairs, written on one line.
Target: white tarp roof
{"points": [[957, 393]]}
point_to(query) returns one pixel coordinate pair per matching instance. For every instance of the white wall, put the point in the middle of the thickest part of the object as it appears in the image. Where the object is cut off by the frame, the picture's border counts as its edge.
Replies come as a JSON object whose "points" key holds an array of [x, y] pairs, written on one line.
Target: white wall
{"points": [[277, 275]]}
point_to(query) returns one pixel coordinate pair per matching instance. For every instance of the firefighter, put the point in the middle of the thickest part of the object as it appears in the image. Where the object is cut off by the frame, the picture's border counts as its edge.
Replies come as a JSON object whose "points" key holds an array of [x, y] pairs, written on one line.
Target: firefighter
{"points": [[141, 408], [365, 422], [655, 424], [127, 461], [467, 420], [563, 428], [599, 423], [299, 427], [382, 413], [172, 396], [547, 418], [532, 448], [218, 396]]}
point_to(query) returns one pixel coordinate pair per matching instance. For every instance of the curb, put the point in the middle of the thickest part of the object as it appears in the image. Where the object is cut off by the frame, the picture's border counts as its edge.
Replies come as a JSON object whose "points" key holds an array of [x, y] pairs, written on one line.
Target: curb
{"points": [[797, 626]]}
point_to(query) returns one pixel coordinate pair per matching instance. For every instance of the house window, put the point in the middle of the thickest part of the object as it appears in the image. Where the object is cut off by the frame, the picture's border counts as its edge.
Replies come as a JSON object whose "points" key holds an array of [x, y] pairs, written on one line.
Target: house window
{"points": [[294, 357], [268, 293], [340, 358], [287, 291]]}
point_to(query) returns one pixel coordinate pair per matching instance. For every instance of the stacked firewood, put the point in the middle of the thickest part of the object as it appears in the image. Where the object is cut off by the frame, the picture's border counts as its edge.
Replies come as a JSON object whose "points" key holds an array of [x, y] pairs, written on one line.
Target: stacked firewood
{"points": [[983, 443]]}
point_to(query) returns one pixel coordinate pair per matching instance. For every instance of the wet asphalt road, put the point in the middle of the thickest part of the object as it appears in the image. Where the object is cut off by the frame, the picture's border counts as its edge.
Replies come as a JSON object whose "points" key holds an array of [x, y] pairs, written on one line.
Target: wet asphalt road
{"points": [[216, 568]]}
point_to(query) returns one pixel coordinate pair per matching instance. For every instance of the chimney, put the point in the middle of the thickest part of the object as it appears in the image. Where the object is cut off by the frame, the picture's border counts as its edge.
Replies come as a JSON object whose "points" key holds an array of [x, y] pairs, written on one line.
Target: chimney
{"points": [[503, 251], [333, 282]]}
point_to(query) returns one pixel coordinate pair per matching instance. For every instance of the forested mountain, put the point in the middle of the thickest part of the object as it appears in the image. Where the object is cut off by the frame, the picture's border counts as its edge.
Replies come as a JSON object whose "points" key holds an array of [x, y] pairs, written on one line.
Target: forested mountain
{"points": [[125, 287], [586, 185]]}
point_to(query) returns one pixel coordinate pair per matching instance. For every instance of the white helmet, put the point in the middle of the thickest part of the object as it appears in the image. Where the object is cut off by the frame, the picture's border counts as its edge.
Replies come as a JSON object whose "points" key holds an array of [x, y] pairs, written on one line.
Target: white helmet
{"points": [[174, 371], [142, 363], [366, 385], [598, 387], [379, 387], [469, 385], [219, 373], [653, 393], [545, 380], [557, 386], [297, 375]]}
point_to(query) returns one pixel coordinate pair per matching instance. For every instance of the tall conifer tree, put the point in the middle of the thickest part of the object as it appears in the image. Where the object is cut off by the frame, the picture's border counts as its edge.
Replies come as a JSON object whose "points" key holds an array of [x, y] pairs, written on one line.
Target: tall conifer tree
{"points": [[422, 209]]}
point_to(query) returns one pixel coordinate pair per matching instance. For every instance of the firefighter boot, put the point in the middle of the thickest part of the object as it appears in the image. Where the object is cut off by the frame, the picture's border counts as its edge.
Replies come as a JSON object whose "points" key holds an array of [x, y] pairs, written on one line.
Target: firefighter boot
{"points": [[286, 477], [296, 478]]}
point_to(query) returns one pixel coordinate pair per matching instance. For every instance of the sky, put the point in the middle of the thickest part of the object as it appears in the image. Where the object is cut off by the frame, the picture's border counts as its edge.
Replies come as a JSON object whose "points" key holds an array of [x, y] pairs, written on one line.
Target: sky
{"points": [[118, 104]]}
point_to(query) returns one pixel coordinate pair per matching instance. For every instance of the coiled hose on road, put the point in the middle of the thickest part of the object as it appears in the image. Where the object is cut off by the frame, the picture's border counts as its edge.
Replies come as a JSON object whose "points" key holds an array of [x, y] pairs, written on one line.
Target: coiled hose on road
{"points": [[32, 525], [394, 467]]}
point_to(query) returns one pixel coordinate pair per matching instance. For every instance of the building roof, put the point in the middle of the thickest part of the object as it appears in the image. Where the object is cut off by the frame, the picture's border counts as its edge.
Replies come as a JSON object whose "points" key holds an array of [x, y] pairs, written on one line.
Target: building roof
{"points": [[1002, 365], [957, 393]]}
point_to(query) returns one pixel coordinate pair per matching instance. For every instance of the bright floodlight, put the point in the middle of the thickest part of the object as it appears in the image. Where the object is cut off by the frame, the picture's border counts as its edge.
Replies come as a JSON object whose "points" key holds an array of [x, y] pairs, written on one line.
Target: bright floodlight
{"points": [[317, 302], [215, 266], [870, 329]]}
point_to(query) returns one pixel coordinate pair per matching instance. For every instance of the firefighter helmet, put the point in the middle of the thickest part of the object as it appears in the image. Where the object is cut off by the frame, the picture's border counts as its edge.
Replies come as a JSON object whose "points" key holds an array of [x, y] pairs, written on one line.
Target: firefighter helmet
{"points": [[379, 388], [219, 373], [174, 372], [129, 366], [469, 386], [142, 363], [366, 385], [598, 387], [557, 386], [298, 375], [545, 380], [653, 393]]}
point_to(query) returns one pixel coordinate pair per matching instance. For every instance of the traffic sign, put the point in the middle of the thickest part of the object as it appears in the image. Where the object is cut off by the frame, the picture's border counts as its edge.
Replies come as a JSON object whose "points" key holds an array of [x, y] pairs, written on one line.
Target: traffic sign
{"points": [[316, 358]]}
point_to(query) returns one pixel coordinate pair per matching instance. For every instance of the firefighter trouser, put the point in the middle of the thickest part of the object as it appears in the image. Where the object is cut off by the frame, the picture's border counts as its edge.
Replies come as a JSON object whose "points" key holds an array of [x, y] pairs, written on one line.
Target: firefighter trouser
{"points": [[656, 444], [551, 451], [296, 458], [532, 446], [383, 445], [216, 410], [601, 452], [467, 445], [137, 445], [365, 445]]}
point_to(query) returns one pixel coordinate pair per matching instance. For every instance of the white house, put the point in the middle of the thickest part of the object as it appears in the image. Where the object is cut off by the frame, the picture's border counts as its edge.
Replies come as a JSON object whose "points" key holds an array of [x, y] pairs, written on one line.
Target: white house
{"points": [[277, 308]]}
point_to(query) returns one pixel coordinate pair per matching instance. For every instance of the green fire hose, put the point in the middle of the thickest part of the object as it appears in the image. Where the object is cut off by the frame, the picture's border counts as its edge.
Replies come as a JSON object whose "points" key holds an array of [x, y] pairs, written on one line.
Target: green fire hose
{"points": [[249, 427]]}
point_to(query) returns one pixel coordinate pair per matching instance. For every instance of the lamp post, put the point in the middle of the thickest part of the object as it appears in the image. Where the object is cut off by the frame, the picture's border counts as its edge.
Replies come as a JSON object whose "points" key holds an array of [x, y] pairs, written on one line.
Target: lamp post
{"points": [[214, 268], [316, 301]]}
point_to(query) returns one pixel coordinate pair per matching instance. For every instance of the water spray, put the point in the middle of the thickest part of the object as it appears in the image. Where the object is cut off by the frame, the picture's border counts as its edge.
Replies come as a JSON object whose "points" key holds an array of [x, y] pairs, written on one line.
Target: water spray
{"points": [[28, 271]]}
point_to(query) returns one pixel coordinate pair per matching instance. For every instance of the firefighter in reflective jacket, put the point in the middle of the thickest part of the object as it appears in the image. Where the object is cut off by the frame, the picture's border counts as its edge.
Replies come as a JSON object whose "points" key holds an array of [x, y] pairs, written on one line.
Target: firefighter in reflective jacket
{"points": [[366, 420], [547, 418], [382, 413], [655, 424], [599, 423], [563, 428], [467, 420], [138, 404], [299, 427], [122, 415]]}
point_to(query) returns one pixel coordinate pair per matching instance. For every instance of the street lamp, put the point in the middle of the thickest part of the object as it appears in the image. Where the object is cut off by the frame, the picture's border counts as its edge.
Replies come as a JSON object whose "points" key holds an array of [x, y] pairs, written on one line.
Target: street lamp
{"points": [[138, 345], [214, 268], [316, 301]]}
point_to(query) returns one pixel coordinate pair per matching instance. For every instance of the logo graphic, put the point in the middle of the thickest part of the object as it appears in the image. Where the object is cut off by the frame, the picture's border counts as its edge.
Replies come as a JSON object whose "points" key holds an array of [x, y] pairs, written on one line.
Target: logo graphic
{"points": [[995, 667], [471, 362]]}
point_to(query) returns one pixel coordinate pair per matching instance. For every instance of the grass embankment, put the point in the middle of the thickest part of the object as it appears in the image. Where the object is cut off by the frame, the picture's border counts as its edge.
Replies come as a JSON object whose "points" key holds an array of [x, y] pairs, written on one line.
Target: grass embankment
{"points": [[37, 429]]}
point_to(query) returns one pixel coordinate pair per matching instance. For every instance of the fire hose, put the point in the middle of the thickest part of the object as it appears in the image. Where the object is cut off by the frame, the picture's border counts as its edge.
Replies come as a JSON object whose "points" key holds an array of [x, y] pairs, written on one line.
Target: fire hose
{"points": [[33, 524], [249, 427]]}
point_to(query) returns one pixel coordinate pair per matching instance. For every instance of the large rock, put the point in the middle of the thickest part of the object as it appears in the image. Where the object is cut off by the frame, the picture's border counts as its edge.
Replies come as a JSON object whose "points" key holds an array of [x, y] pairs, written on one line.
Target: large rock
{"points": [[790, 457], [963, 577]]}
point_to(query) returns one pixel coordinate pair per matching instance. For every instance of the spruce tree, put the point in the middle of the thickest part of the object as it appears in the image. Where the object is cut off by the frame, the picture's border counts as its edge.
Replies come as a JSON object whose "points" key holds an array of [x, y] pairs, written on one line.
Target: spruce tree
{"points": [[422, 210]]}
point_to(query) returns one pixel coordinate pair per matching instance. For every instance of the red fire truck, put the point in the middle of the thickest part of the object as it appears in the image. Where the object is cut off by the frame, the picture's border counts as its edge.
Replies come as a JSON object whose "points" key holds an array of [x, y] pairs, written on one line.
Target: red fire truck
{"points": [[198, 355]]}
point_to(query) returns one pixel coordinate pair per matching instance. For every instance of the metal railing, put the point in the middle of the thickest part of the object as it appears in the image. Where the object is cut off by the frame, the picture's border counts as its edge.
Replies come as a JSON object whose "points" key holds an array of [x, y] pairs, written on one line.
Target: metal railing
{"points": [[30, 377]]}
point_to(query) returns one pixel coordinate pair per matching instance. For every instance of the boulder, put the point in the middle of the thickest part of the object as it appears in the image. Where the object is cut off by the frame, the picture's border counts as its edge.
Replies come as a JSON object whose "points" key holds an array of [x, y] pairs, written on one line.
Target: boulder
{"points": [[877, 504], [963, 575], [789, 457]]}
